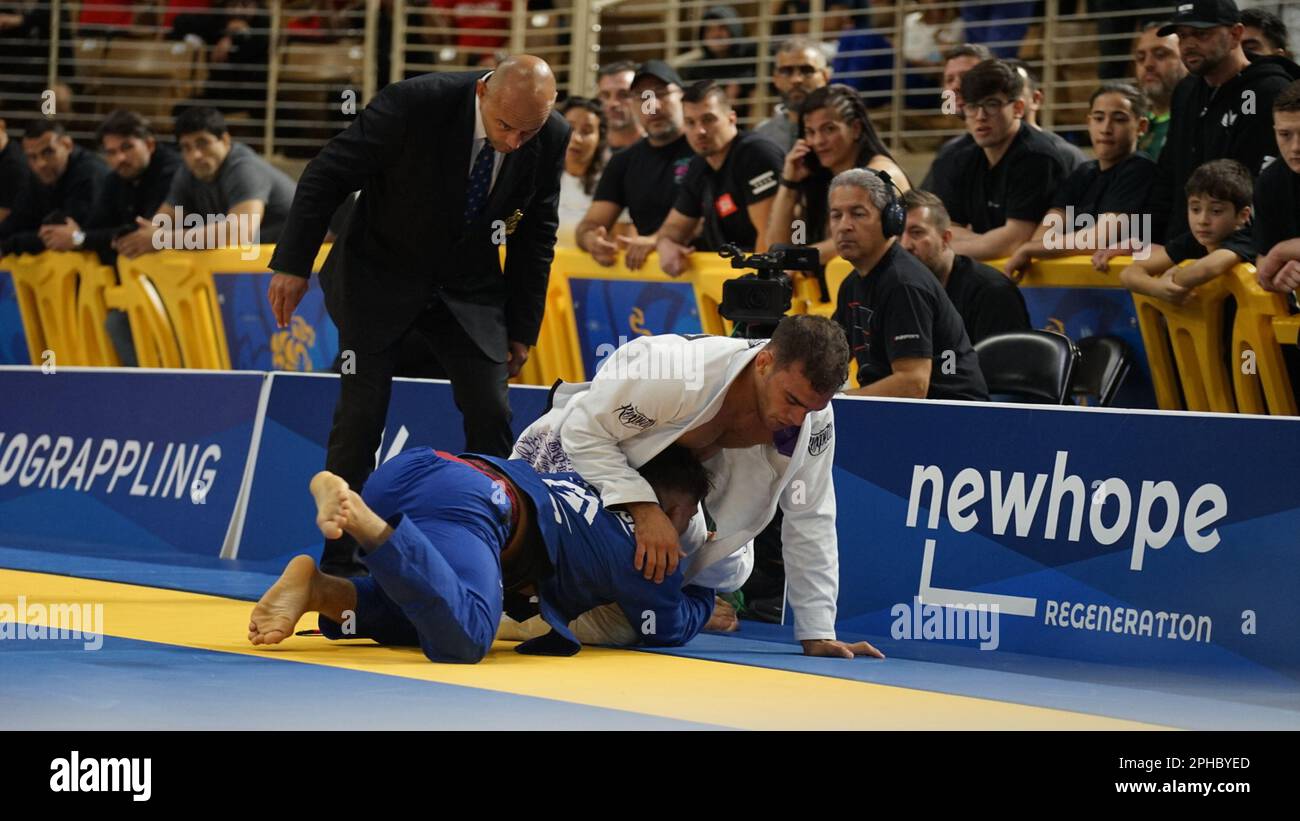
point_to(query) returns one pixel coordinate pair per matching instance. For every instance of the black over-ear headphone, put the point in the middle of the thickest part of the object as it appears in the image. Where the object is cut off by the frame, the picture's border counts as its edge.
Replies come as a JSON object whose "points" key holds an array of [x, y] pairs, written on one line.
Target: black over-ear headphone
{"points": [[893, 217]]}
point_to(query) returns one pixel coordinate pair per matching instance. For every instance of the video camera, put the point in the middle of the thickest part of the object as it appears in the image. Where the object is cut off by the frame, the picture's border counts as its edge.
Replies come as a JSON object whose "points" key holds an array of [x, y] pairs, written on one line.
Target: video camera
{"points": [[762, 298]]}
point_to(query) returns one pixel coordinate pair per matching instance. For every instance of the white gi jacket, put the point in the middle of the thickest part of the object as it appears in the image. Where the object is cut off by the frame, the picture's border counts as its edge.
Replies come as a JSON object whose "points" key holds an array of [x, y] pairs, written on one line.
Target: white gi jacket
{"points": [[651, 391]]}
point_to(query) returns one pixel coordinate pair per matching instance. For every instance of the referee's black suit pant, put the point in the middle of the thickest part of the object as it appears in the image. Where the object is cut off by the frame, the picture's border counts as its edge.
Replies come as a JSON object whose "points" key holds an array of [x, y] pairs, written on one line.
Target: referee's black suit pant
{"points": [[434, 347]]}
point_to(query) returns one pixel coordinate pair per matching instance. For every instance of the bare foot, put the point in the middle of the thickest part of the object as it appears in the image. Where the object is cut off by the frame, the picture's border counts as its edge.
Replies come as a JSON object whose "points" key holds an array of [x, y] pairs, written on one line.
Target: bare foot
{"points": [[333, 503], [278, 611]]}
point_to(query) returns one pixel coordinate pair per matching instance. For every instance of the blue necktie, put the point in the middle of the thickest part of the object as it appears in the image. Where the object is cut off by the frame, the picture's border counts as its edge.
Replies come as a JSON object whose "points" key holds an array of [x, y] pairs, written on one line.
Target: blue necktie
{"points": [[480, 182]]}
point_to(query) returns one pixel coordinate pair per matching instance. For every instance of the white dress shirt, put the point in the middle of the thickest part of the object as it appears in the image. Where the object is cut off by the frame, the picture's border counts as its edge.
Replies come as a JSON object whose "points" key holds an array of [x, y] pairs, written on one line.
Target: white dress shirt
{"points": [[480, 140]]}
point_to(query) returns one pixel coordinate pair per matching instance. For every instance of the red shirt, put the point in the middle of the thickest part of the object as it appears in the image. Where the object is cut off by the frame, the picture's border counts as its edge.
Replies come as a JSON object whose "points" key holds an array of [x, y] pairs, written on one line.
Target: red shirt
{"points": [[103, 13], [468, 17]]}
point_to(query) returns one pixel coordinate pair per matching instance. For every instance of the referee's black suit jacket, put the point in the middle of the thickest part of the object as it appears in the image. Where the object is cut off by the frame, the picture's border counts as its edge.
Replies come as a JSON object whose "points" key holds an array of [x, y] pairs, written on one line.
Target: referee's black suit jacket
{"points": [[406, 242]]}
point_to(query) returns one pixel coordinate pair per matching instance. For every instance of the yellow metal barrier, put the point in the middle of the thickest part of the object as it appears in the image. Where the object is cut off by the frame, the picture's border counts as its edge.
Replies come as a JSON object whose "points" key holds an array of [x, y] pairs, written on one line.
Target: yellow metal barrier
{"points": [[92, 312], [60, 300], [170, 298], [1251, 377], [46, 285], [152, 334], [1195, 332], [190, 300], [1287, 329], [1259, 373]]}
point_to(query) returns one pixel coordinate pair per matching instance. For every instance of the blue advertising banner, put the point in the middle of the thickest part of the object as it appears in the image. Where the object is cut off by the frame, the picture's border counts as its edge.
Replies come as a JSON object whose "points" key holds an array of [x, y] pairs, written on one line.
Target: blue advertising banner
{"points": [[1161, 541], [123, 461], [13, 342], [607, 312], [1081, 312], [281, 516], [310, 343]]}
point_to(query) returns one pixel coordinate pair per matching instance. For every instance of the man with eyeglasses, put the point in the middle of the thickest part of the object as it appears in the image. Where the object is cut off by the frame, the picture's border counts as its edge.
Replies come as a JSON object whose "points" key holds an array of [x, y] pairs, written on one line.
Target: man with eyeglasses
{"points": [[800, 69], [997, 187], [614, 91], [644, 178]]}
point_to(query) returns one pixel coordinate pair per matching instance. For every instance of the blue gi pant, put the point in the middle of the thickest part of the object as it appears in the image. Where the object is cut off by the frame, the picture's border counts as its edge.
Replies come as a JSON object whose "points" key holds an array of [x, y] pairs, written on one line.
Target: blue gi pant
{"points": [[436, 582]]}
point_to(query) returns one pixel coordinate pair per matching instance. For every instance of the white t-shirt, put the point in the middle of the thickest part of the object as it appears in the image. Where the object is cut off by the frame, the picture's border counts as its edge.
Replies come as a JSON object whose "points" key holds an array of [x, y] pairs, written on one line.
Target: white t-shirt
{"points": [[574, 203]]}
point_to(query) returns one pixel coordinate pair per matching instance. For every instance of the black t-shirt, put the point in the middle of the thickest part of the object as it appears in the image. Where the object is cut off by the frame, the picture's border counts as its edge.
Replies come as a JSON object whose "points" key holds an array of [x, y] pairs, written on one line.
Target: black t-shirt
{"points": [[750, 174], [939, 165], [1120, 189], [899, 311], [14, 173], [644, 179], [1019, 187], [1071, 155], [1277, 206], [989, 303], [1185, 246]]}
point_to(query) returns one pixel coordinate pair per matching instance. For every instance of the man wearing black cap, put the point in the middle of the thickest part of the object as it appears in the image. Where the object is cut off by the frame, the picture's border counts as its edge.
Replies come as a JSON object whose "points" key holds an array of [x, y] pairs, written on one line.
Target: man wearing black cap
{"points": [[1222, 110], [644, 177]]}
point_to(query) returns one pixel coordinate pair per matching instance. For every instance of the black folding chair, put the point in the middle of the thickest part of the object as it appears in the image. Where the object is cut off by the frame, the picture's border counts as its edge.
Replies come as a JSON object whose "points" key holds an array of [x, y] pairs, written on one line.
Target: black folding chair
{"points": [[1104, 362], [1028, 366]]}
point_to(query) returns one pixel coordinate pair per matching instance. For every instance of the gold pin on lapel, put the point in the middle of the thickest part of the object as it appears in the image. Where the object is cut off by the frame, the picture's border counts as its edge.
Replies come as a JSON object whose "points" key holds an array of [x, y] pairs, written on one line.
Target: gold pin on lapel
{"points": [[512, 221]]}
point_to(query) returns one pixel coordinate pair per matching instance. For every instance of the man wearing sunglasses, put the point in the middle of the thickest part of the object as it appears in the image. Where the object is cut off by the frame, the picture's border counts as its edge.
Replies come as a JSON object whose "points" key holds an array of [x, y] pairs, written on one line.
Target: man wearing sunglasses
{"points": [[800, 70]]}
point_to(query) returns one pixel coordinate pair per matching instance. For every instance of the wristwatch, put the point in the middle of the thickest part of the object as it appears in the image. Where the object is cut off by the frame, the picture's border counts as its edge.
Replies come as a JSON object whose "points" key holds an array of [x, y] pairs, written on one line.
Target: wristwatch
{"points": [[78, 238]]}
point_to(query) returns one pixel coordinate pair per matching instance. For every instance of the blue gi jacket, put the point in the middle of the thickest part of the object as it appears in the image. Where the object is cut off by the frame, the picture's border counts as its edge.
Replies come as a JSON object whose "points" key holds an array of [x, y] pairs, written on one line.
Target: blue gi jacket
{"points": [[591, 549]]}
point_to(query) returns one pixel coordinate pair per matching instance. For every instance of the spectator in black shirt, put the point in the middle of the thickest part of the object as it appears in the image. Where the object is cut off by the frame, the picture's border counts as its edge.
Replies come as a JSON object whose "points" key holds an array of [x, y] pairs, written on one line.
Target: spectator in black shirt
{"points": [[1277, 200], [954, 69], [644, 178], [142, 174], [1218, 212], [1100, 202], [15, 173], [65, 181], [989, 303], [905, 334], [729, 185], [1222, 110], [998, 187], [1033, 97]]}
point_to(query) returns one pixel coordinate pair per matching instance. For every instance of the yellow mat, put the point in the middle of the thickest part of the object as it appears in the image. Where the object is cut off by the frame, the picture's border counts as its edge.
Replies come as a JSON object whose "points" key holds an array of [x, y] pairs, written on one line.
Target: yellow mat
{"points": [[648, 683]]}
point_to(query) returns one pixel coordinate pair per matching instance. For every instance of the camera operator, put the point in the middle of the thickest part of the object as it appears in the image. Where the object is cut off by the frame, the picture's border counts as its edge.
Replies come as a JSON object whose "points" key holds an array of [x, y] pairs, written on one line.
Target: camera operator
{"points": [[907, 338]]}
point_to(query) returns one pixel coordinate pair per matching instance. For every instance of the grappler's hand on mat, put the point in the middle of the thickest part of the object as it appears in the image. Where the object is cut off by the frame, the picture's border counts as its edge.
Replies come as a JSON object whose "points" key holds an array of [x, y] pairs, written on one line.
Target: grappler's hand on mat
{"points": [[285, 293], [724, 618], [657, 548], [838, 649]]}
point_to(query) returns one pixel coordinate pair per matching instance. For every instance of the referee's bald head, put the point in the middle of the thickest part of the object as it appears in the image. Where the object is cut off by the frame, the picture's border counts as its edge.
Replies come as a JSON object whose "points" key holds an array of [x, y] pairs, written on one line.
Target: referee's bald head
{"points": [[516, 100]]}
